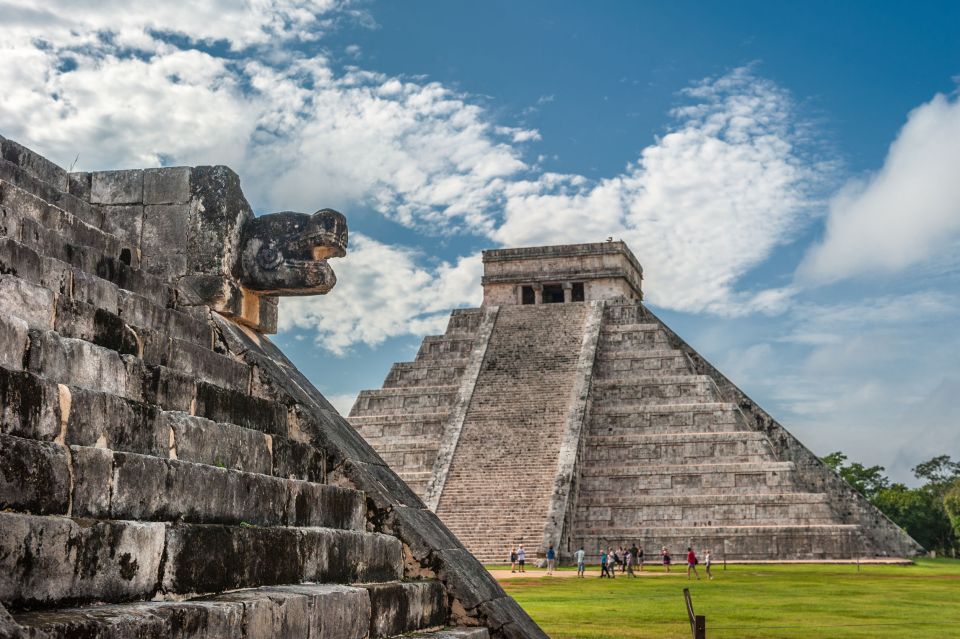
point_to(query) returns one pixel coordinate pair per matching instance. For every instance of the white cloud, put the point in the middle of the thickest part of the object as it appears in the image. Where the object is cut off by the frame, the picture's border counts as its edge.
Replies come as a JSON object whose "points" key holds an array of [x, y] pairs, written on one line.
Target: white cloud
{"points": [[906, 213], [712, 198], [383, 292]]}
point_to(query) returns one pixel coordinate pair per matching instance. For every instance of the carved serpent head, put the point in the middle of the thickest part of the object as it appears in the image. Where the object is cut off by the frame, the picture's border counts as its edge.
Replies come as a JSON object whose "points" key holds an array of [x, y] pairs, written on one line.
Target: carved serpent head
{"points": [[286, 253]]}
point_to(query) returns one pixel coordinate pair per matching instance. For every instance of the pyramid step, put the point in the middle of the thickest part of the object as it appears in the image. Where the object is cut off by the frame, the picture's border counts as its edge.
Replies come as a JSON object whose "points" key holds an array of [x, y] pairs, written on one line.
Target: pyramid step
{"points": [[100, 483], [43, 179], [424, 373], [726, 447], [665, 389], [36, 408], [396, 400], [441, 347], [302, 610], [454, 633], [398, 608], [51, 559]]}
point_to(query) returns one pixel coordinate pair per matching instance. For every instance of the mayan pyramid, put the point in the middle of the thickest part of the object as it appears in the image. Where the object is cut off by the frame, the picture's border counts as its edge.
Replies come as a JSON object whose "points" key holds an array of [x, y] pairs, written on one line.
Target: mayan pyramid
{"points": [[563, 412], [164, 470]]}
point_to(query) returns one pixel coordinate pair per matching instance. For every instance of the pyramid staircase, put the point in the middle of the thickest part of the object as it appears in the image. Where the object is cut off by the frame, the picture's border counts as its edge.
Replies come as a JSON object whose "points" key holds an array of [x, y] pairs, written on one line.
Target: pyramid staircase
{"points": [[165, 472]]}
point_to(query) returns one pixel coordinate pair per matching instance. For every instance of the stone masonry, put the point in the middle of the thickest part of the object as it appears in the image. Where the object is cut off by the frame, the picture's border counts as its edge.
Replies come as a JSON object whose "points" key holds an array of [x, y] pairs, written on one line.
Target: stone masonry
{"points": [[563, 412], [165, 471]]}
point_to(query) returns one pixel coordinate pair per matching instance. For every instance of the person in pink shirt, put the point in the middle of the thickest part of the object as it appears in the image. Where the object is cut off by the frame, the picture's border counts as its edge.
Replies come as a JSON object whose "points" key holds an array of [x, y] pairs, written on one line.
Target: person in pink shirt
{"points": [[692, 564]]}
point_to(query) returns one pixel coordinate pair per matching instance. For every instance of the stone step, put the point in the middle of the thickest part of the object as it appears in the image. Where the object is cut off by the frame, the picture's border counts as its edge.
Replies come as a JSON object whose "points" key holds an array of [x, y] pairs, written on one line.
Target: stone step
{"points": [[628, 364], [330, 611], [653, 419], [464, 321], [729, 447], [36, 408], [721, 510], [424, 373], [51, 559], [454, 633], [398, 608], [733, 542], [441, 347], [83, 481], [35, 217], [396, 400], [646, 390], [44, 179], [765, 477]]}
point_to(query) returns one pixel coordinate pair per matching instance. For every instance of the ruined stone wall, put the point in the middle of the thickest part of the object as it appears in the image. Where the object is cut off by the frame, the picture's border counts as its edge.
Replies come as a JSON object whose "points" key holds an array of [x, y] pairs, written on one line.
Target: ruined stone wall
{"points": [[153, 451]]}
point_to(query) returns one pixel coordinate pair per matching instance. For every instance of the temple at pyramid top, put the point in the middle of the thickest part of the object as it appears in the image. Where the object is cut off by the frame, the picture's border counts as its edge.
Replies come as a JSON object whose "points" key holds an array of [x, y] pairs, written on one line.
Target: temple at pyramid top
{"points": [[561, 274]]}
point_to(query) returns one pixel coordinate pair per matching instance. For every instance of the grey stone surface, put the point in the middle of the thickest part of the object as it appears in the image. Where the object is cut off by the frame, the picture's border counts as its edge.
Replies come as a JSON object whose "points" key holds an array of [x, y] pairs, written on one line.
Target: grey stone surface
{"points": [[124, 221], [117, 187], [170, 185], [201, 440], [48, 559], [34, 476], [399, 608], [92, 482], [102, 419], [29, 405], [13, 341], [31, 303], [79, 363]]}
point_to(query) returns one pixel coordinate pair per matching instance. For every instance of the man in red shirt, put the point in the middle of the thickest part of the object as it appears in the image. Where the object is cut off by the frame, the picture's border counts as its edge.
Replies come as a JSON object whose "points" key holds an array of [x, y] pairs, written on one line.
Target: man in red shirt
{"points": [[692, 564]]}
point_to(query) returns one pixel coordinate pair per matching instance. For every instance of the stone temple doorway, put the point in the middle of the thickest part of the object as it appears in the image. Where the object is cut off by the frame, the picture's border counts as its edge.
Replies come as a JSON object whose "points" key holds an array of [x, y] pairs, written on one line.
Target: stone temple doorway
{"points": [[552, 294]]}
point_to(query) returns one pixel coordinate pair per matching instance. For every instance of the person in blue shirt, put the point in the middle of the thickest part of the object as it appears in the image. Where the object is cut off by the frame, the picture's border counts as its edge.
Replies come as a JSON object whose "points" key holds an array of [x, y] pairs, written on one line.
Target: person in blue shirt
{"points": [[603, 564], [551, 560]]}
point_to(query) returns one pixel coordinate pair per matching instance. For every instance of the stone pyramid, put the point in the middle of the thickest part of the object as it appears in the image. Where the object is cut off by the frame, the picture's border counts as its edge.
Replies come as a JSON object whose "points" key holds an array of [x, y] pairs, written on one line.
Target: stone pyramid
{"points": [[164, 470], [564, 412]]}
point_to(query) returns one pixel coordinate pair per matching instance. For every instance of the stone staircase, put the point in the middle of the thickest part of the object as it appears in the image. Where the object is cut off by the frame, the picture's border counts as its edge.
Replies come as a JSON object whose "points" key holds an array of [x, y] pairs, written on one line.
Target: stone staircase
{"points": [[501, 479], [668, 463], [404, 420], [164, 472]]}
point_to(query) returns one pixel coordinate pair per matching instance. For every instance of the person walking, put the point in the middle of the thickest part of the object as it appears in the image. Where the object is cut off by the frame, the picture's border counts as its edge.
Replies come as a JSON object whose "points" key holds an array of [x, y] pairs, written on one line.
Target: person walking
{"points": [[611, 564], [628, 562], [551, 560], [521, 557], [580, 555], [513, 559], [692, 564], [707, 563], [665, 556], [640, 558], [603, 564]]}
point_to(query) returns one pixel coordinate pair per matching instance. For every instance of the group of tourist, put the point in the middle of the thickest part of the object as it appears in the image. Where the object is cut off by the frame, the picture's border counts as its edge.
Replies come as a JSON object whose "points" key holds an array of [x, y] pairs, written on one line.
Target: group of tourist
{"points": [[610, 560]]}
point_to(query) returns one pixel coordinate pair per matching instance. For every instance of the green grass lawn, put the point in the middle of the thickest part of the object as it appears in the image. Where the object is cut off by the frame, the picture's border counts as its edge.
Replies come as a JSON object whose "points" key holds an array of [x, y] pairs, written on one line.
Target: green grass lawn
{"points": [[767, 601]]}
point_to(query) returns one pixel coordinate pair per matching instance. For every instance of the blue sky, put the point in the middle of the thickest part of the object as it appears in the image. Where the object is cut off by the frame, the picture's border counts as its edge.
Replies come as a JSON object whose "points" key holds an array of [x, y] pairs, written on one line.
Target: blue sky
{"points": [[786, 173]]}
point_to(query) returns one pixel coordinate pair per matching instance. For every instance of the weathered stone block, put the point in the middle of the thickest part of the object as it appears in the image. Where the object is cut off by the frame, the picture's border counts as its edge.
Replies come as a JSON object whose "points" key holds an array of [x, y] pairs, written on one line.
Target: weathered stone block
{"points": [[168, 185], [117, 187], [208, 366], [32, 303], [13, 341], [79, 363], [311, 504], [34, 476], [92, 481], [29, 405], [298, 460], [225, 405], [399, 608], [465, 577], [94, 290], [169, 389], [125, 221], [47, 559], [201, 440], [148, 488], [117, 423]]}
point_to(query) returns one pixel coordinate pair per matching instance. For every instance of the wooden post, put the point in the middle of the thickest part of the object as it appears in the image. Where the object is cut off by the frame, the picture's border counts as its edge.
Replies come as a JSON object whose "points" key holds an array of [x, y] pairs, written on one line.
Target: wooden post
{"points": [[698, 623]]}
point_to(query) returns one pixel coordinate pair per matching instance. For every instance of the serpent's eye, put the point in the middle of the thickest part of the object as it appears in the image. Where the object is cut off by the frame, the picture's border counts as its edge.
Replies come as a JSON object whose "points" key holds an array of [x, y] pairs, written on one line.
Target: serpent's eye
{"points": [[269, 258]]}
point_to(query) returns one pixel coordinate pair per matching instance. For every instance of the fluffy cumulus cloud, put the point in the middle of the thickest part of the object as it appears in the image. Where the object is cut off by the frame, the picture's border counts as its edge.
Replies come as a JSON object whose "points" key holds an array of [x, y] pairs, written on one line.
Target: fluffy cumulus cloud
{"points": [[382, 292], [219, 82], [709, 200], [904, 215]]}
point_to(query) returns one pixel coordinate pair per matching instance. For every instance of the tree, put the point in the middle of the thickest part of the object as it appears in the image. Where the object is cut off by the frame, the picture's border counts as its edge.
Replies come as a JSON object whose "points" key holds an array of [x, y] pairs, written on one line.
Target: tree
{"points": [[920, 512], [951, 502], [939, 472], [867, 481]]}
